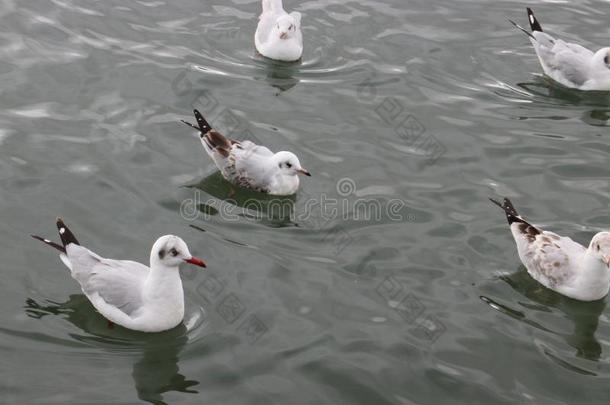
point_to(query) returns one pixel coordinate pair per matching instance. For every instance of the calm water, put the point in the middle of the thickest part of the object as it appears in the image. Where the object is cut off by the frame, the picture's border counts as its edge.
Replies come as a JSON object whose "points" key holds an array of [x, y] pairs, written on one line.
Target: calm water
{"points": [[405, 289]]}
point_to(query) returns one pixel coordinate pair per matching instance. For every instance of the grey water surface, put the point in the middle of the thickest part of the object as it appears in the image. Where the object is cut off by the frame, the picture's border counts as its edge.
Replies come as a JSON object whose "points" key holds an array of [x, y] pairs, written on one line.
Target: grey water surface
{"points": [[388, 279]]}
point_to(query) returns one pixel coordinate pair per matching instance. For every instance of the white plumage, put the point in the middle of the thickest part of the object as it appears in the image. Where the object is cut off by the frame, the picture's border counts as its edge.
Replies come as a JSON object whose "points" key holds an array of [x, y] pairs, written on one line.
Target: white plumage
{"points": [[125, 292], [568, 63], [278, 34], [559, 263], [249, 165]]}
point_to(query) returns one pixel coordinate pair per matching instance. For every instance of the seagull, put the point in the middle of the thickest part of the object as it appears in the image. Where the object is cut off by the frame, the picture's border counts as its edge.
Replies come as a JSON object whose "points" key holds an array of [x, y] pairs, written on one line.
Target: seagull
{"points": [[128, 293], [570, 64], [246, 164], [278, 34], [559, 263]]}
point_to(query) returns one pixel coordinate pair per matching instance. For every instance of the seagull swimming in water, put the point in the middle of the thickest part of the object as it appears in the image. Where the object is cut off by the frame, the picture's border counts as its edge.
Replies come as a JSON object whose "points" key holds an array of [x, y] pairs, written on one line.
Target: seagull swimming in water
{"points": [[246, 164], [130, 294], [570, 64], [278, 34], [559, 263]]}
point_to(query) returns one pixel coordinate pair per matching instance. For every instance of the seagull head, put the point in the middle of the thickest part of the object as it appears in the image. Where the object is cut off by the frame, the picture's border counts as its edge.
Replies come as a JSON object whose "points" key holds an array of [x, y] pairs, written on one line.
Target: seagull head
{"points": [[289, 164], [286, 26], [600, 247], [171, 251], [601, 59]]}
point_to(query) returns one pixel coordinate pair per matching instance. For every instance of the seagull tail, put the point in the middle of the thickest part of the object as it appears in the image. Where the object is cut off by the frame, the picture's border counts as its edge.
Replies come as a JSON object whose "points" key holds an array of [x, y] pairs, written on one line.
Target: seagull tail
{"points": [[65, 234], [213, 139], [218, 141], [272, 6], [509, 209], [521, 28], [534, 24], [202, 125], [190, 125], [50, 243]]}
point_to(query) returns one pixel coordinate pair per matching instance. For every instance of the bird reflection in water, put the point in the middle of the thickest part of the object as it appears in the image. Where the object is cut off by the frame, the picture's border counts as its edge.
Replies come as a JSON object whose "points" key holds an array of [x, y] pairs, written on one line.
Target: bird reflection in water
{"points": [[584, 316], [155, 370], [595, 103]]}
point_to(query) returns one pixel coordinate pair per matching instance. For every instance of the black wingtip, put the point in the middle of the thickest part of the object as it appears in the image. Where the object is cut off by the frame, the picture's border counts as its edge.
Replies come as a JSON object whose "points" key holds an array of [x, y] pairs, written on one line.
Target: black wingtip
{"points": [[65, 234], [534, 24], [49, 243], [496, 202], [204, 126], [189, 124], [521, 28], [509, 210]]}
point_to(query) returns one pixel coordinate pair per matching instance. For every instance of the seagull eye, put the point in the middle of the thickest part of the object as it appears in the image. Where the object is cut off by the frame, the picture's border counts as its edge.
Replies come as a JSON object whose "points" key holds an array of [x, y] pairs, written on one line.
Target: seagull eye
{"points": [[597, 247], [292, 27], [289, 165], [606, 61], [173, 252]]}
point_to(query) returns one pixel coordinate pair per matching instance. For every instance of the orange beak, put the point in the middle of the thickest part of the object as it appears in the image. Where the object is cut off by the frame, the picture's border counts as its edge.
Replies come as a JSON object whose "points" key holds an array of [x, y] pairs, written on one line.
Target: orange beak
{"points": [[196, 261], [304, 172]]}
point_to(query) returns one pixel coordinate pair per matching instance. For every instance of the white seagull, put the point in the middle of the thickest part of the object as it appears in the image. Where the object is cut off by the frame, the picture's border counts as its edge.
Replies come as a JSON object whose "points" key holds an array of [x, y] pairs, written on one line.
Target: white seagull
{"points": [[567, 63], [128, 293], [278, 34], [246, 164], [559, 263]]}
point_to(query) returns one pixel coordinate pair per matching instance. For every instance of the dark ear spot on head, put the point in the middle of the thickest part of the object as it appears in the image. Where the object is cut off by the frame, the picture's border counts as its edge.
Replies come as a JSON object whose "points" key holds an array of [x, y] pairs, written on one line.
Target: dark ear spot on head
{"points": [[161, 253]]}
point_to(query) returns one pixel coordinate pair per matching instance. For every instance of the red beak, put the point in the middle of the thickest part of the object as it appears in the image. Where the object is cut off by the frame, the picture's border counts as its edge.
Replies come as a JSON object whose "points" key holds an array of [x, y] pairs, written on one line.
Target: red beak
{"points": [[196, 261]]}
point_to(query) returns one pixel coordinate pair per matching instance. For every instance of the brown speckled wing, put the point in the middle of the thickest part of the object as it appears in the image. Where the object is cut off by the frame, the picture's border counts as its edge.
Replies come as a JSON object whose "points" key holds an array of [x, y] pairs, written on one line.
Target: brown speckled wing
{"points": [[549, 261]]}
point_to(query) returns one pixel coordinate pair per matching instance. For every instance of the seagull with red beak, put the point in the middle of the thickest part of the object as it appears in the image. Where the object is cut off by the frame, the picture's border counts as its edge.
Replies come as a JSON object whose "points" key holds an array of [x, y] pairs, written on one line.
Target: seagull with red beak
{"points": [[130, 294], [249, 165], [559, 263], [278, 34]]}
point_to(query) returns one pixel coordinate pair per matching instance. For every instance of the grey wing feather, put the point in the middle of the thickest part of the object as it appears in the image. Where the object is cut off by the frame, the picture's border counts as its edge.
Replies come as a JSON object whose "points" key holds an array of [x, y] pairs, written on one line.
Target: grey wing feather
{"points": [[250, 148], [561, 60], [580, 50], [118, 282], [572, 67]]}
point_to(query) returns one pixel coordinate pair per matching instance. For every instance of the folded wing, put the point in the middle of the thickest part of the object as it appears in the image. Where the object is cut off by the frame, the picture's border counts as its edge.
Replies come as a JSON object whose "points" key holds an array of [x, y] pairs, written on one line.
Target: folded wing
{"points": [[565, 62], [549, 258], [118, 283]]}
